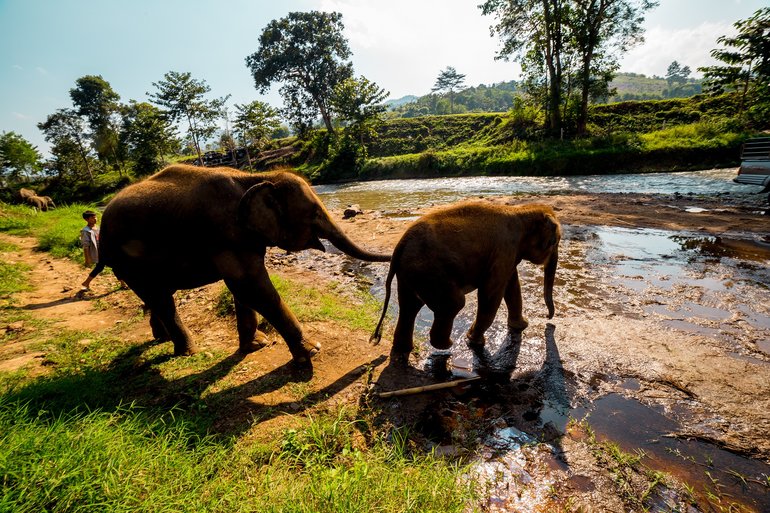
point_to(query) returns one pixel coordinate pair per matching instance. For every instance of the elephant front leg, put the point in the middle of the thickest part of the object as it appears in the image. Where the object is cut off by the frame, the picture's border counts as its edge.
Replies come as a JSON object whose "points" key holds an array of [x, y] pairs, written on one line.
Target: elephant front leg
{"points": [[513, 301], [490, 297], [258, 293], [250, 338]]}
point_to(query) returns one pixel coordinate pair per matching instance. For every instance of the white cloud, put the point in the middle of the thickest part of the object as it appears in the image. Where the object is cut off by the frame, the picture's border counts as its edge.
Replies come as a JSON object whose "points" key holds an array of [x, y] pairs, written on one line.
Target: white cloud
{"points": [[41, 70], [19, 115], [689, 47], [405, 45]]}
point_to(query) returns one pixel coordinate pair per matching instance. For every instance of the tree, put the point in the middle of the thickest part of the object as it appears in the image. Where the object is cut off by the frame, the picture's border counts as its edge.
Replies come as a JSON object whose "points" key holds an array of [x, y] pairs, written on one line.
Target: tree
{"points": [[746, 67], [254, 123], [307, 52], [676, 74], [449, 81], [183, 98], [147, 135], [530, 27], [64, 130], [569, 38], [358, 101], [94, 98], [599, 30], [19, 159]]}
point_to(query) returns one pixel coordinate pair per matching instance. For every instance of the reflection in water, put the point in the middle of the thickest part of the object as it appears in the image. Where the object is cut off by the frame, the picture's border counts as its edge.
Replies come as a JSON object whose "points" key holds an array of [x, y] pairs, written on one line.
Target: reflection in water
{"points": [[418, 193]]}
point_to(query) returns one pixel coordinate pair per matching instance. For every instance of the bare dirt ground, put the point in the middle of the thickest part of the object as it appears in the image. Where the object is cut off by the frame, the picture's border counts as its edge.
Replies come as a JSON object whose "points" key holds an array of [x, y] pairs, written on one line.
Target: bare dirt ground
{"points": [[712, 377]]}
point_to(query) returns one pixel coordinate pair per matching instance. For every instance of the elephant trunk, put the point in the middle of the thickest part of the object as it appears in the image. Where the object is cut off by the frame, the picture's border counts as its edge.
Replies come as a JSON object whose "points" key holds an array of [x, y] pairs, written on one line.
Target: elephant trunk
{"points": [[329, 230], [548, 281]]}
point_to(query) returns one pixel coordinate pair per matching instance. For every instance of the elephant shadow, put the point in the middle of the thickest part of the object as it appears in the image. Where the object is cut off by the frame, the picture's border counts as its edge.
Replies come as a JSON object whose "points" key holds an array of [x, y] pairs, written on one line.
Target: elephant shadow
{"points": [[536, 401]]}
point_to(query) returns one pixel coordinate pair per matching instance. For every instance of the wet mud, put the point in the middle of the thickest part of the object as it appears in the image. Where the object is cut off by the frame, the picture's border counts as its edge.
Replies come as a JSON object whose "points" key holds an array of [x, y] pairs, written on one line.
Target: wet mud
{"points": [[660, 344]]}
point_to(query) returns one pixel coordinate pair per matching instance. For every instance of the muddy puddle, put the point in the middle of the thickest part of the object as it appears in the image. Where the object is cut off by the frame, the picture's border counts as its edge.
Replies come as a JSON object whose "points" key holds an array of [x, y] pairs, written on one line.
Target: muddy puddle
{"points": [[715, 474]]}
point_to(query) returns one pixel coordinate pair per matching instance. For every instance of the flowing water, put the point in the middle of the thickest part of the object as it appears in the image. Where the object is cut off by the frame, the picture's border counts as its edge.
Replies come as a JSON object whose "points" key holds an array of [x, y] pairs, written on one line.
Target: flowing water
{"points": [[395, 195]]}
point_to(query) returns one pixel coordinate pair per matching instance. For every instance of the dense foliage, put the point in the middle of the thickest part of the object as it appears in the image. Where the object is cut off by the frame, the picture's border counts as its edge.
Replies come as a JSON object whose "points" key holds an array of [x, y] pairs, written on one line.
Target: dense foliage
{"points": [[745, 65]]}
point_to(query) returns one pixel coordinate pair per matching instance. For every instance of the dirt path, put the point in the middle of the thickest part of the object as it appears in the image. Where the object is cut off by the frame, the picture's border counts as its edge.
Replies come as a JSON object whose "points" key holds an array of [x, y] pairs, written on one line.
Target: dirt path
{"points": [[605, 339]]}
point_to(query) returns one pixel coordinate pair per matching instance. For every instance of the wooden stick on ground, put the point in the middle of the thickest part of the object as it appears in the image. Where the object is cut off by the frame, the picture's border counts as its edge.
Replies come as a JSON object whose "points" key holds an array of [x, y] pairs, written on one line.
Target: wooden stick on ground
{"points": [[426, 388]]}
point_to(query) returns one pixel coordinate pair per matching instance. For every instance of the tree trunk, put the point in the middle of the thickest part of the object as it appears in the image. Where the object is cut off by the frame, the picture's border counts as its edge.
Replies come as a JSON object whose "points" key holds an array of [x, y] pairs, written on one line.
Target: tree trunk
{"points": [[195, 140]]}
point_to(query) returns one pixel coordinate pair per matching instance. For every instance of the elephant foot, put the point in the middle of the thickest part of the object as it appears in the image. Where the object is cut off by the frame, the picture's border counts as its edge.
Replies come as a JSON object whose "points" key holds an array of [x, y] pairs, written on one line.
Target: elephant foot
{"points": [[518, 325], [475, 341], [185, 350], [441, 343], [302, 354], [399, 360], [260, 341]]}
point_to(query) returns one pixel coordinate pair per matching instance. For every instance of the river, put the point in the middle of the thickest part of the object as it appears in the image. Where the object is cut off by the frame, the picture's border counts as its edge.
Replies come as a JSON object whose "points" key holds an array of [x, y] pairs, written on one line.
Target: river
{"points": [[389, 195]]}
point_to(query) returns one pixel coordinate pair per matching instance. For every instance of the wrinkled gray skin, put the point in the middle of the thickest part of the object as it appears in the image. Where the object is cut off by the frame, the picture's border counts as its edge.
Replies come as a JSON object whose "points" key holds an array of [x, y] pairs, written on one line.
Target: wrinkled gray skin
{"points": [[452, 251], [187, 226], [37, 203]]}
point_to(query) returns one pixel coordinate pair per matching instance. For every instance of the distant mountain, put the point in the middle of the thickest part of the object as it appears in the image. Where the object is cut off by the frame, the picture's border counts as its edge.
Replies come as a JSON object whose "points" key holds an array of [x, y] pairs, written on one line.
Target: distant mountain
{"points": [[392, 104], [635, 86]]}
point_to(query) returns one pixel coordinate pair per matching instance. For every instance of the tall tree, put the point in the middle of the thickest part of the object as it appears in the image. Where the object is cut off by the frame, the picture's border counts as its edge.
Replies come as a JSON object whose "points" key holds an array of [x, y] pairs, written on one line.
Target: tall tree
{"points": [[449, 81], [528, 27], [307, 52], [746, 63], [94, 98], [599, 31], [19, 159], [677, 74], [147, 135], [64, 130], [359, 101], [253, 124], [183, 97]]}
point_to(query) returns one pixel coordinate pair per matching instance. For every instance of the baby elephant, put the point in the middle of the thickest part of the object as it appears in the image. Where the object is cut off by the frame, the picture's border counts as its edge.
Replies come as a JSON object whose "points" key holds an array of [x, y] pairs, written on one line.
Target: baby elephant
{"points": [[472, 245]]}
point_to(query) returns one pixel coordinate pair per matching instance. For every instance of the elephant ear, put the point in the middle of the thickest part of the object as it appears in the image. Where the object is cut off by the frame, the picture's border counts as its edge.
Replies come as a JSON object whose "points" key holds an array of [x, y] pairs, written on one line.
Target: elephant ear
{"points": [[550, 226], [260, 210]]}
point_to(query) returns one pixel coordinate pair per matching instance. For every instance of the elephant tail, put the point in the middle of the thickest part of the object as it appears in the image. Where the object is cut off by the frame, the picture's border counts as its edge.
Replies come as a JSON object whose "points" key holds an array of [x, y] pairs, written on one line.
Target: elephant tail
{"points": [[377, 335]]}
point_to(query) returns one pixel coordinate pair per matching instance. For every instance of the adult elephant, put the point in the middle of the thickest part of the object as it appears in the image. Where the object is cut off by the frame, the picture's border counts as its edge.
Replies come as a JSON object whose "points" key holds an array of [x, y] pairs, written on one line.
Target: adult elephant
{"points": [[452, 251], [26, 193], [188, 226]]}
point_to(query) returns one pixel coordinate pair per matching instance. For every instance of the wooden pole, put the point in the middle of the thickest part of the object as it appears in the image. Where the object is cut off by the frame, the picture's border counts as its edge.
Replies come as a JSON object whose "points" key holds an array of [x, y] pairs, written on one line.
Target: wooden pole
{"points": [[427, 388]]}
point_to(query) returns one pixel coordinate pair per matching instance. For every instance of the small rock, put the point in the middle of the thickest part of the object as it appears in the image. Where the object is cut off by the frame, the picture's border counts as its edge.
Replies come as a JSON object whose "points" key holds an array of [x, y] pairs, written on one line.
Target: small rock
{"points": [[352, 211]]}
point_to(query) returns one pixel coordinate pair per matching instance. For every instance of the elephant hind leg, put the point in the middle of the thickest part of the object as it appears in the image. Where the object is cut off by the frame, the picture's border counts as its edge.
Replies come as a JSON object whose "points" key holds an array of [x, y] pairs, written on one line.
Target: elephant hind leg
{"points": [[163, 314], [250, 338], [409, 306]]}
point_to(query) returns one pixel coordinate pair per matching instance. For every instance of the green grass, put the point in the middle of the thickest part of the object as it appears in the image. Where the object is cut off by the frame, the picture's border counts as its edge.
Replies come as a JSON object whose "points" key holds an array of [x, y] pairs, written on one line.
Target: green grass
{"points": [[695, 145], [57, 231], [13, 279], [134, 459], [311, 304]]}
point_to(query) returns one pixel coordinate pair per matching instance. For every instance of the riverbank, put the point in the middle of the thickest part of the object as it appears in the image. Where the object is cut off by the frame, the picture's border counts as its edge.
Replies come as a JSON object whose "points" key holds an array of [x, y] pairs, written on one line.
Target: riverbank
{"points": [[652, 319]]}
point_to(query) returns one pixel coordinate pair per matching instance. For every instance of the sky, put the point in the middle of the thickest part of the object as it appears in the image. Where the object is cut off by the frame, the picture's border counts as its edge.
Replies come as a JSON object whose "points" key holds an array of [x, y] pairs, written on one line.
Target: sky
{"points": [[402, 45]]}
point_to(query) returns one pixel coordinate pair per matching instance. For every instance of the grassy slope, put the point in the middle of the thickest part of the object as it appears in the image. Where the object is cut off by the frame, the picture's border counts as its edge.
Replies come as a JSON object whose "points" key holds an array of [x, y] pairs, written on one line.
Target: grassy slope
{"points": [[636, 136]]}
